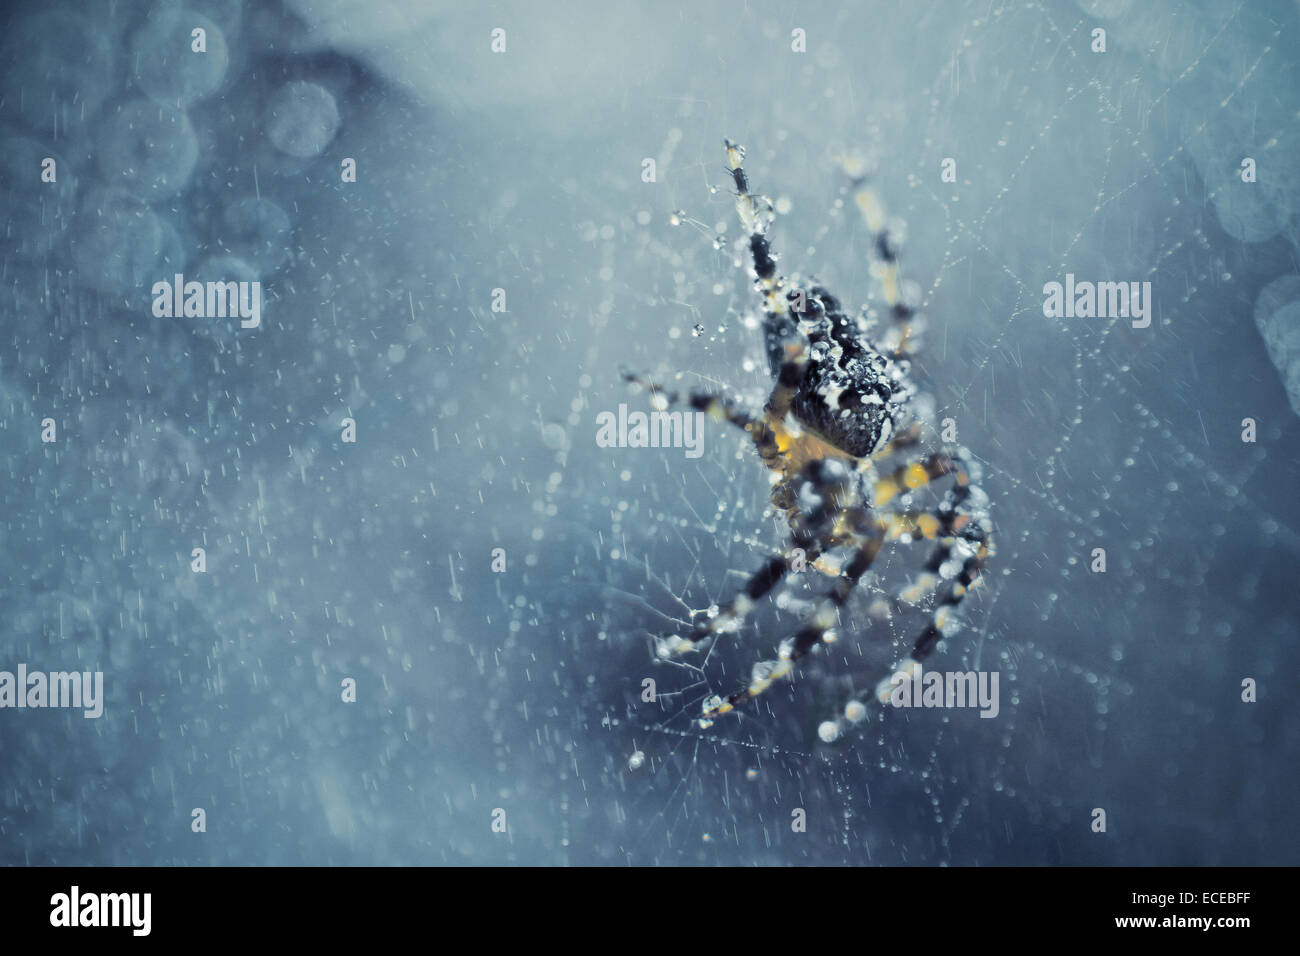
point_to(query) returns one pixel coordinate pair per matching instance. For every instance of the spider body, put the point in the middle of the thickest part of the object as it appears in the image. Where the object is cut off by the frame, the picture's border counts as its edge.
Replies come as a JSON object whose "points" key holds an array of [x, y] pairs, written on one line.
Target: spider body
{"points": [[850, 395], [840, 416]]}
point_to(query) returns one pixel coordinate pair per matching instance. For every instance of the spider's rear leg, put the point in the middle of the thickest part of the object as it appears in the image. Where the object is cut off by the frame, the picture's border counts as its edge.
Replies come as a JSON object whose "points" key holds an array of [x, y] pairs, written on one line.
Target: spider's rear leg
{"points": [[971, 551], [816, 626], [965, 542], [731, 616], [816, 526], [963, 531]]}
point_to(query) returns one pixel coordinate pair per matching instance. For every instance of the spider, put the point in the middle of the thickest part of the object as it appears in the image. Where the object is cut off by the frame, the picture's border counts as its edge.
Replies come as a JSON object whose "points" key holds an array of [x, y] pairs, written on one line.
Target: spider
{"points": [[836, 432]]}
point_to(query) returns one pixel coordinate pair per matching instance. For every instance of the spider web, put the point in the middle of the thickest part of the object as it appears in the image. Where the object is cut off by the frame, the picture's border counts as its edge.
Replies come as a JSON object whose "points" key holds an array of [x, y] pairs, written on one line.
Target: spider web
{"points": [[1092, 434], [522, 690]]}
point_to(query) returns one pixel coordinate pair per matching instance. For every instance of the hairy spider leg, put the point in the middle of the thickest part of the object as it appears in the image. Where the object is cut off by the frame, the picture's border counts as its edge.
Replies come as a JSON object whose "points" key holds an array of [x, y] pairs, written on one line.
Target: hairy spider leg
{"points": [[780, 330], [962, 514], [917, 474], [907, 324], [815, 629], [944, 620], [964, 531], [720, 408], [733, 614], [943, 623], [967, 537], [828, 524]]}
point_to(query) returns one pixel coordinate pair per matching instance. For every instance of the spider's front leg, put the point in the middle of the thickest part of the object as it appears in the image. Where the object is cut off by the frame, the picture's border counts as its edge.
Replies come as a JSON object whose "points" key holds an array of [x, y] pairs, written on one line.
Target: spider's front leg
{"points": [[720, 408], [903, 340]]}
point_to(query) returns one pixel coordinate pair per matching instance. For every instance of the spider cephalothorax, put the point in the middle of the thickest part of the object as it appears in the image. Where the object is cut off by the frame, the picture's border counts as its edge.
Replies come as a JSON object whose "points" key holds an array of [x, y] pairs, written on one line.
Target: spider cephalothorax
{"points": [[850, 395], [841, 409]]}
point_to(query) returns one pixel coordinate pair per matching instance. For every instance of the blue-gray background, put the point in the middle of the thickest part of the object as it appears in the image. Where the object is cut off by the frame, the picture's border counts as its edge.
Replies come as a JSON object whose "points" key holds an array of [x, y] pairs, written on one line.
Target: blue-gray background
{"points": [[522, 171]]}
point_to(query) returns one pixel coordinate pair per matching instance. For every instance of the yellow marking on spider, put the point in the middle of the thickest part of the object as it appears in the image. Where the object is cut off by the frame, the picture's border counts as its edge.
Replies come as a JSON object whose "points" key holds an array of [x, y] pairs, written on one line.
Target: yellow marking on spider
{"points": [[926, 525], [904, 340], [871, 208], [717, 410], [887, 490], [916, 476], [911, 477], [723, 708], [797, 449], [889, 278], [828, 566], [923, 586]]}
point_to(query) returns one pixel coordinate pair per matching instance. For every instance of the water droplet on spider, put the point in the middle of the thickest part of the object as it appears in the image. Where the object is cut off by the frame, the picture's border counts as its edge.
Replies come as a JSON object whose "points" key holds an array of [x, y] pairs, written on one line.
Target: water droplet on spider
{"points": [[720, 242], [636, 761], [698, 330]]}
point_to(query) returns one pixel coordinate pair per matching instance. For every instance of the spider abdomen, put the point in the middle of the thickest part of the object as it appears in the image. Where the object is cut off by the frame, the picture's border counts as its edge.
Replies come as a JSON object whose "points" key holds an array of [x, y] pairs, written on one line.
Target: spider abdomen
{"points": [[851, 403]]}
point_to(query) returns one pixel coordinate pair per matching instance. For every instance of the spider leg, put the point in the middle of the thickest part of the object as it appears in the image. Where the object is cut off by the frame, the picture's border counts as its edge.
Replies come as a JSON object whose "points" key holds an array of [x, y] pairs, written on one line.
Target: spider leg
{"points": [[919, 473], [972, 551], [720, 408], [826, 524], [963, 530], [944, 622], [780, 328], [903, 341], [732, 615], [794, 363], [814, 630], [959, 522]]}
